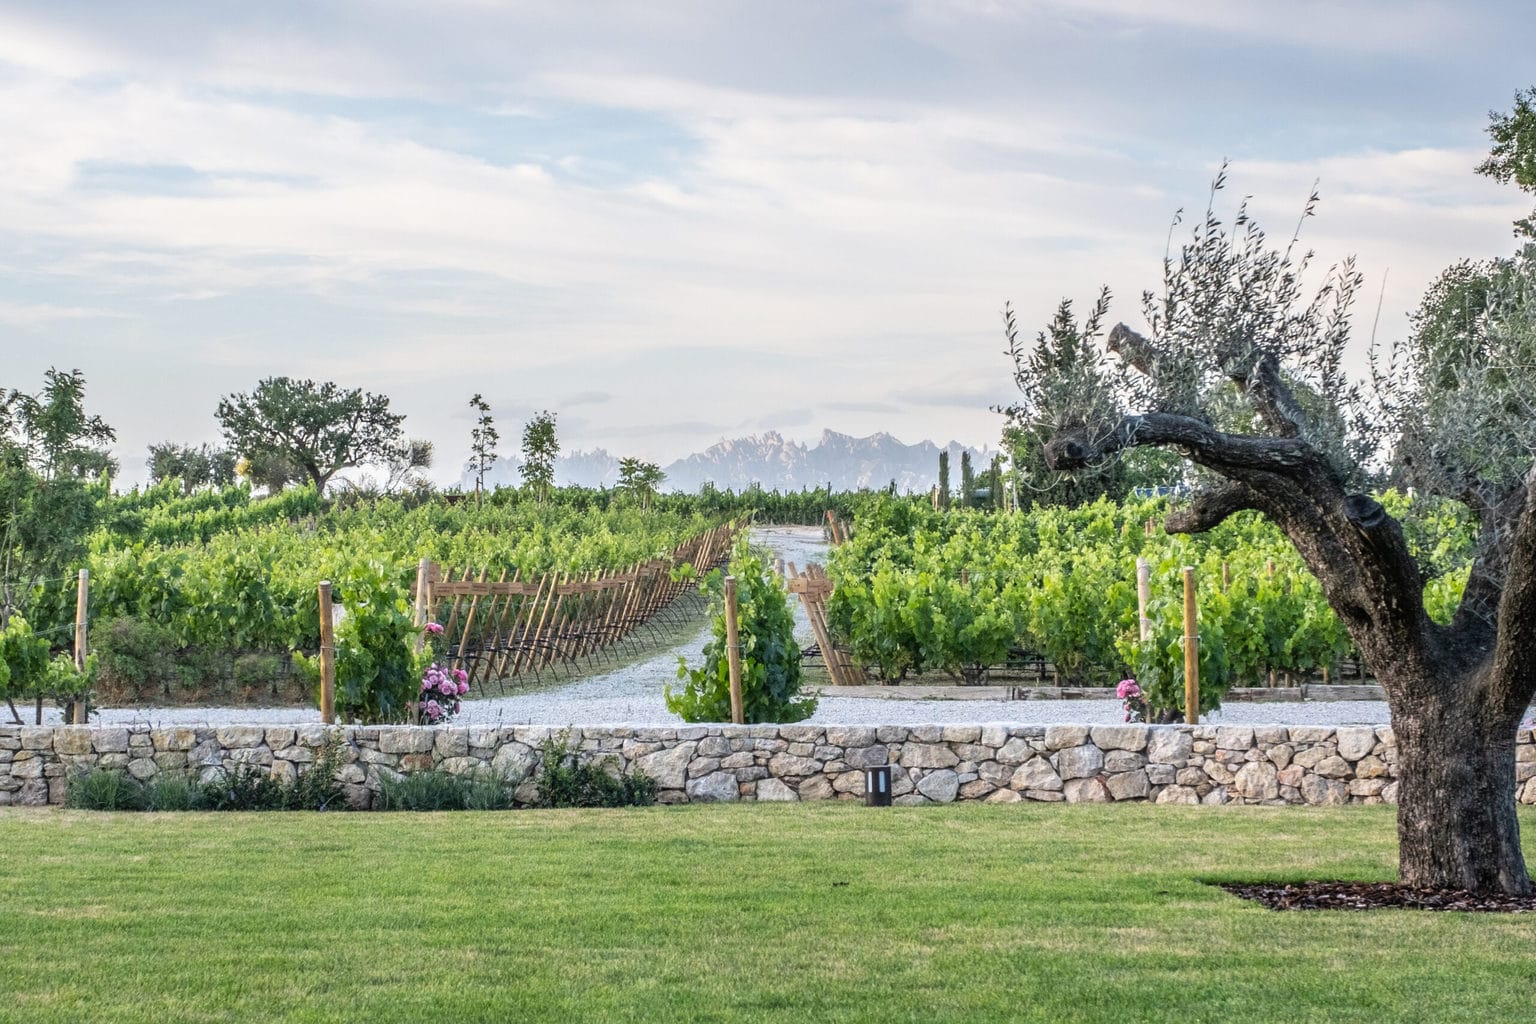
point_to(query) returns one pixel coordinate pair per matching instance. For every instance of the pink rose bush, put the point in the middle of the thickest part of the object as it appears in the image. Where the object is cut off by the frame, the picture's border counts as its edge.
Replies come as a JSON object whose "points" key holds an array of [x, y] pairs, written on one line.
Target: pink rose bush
{"points": [[1133, 700], [441, 690]]}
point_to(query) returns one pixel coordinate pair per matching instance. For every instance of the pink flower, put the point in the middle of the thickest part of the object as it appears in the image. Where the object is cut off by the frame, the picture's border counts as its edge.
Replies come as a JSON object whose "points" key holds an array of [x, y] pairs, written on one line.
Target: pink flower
{"points": [[1127, 689], [446, 688], [463, 688], [435, 628], [460, 675]]}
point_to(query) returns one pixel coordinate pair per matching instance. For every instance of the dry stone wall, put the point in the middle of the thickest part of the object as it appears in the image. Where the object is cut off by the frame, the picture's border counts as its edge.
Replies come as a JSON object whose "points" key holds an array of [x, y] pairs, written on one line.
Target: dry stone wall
{"points": [[998, 763]]}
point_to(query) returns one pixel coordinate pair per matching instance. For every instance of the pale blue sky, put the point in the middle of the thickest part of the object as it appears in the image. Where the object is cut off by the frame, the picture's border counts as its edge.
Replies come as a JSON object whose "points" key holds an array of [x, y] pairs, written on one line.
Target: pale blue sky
{"points": [[673, 222]]}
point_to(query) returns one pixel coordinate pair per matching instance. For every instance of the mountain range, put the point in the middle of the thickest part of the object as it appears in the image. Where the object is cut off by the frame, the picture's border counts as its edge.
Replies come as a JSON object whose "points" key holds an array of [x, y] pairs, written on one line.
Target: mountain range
{"points": [[773, 462]]}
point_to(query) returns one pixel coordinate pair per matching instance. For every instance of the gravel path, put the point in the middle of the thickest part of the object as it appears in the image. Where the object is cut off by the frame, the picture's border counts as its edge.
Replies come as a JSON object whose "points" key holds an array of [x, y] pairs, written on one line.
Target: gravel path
{"points": [[632, 694]]}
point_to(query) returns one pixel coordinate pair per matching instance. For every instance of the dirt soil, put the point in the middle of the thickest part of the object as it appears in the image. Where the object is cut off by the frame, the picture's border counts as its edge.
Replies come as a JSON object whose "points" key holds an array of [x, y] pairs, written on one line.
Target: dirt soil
{"points": [[1376, 896]]}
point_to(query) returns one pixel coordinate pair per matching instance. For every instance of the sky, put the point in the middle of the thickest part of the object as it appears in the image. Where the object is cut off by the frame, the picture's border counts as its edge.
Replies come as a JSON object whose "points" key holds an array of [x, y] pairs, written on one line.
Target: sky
{"points": [[675, 222]]}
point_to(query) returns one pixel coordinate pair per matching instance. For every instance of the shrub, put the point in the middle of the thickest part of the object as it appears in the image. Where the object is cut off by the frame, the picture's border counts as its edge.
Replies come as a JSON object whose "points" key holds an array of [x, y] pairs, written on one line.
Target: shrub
{"points": [[379, 667], [174, 792], [770, 658], [138, 657], [437, 790], [565, 780], [101, 789]]}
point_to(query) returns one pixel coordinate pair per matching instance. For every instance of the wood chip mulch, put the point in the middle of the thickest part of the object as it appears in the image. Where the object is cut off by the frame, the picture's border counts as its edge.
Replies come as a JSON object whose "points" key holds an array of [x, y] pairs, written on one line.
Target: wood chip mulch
{"points": [[1376, 896]]}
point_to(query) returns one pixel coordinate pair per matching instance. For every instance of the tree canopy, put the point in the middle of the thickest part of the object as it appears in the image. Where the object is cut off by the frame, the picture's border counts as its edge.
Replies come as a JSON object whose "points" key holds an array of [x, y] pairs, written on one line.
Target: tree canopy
{"points": [[1239, 367], [540, 447], [315, 428]]}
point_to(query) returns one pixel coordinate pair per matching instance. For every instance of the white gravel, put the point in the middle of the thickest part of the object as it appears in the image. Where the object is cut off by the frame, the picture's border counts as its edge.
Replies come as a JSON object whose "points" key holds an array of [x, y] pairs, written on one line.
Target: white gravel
{"points": [[632, 695]]}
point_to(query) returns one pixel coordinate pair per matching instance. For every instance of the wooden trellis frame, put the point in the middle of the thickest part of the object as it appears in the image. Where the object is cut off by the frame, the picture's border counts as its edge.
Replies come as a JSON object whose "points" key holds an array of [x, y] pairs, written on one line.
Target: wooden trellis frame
{"points": [[499, 629], [814, 588]]}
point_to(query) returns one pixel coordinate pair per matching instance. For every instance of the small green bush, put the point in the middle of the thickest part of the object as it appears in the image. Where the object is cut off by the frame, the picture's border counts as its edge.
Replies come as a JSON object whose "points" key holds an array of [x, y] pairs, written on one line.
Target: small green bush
{"points": [[437, 790], [174, 792], [566, 780], [101, 789], [770, 657]]}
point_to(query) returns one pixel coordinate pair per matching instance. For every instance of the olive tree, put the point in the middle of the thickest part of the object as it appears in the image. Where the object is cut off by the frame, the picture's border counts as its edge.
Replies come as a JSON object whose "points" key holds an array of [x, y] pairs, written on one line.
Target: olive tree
{"points": [[1240, 369], [315, 428]]}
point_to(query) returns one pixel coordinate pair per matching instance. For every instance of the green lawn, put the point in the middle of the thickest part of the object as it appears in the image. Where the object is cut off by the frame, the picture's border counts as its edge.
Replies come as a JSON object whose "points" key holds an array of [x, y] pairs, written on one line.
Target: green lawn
{"points": [[815, 913]]}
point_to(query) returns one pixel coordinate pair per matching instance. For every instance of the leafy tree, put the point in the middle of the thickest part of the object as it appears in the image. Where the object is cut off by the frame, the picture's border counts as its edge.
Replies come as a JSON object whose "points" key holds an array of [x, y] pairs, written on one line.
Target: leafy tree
{"points": [[269, 470], [1242, 372], [540, 447], [407, 467], [482, 443], [1513, 156], [49, 448], [202, 466], [967, 481], [641, 478], [944, 478], [315, 428]]}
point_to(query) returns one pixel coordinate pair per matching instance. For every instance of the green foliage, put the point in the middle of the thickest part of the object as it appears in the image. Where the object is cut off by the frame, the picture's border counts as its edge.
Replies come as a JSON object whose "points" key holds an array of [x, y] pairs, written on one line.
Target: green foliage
{"points": [[540, 447], [174, 791], [1512, 157], [483, 439], [438, 790], [770, 658], [103, 789], [198, 467], [955, 592], [565, 779], [378, 666], [641, 479], [318, 428], [254, 789], [24, 661]]}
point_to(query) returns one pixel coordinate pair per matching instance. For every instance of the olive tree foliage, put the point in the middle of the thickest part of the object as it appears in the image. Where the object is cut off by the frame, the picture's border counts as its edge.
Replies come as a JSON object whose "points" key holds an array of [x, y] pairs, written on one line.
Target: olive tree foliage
{"points": [[1240, 368], [540, 448], [314, 428], [1512, 158]]}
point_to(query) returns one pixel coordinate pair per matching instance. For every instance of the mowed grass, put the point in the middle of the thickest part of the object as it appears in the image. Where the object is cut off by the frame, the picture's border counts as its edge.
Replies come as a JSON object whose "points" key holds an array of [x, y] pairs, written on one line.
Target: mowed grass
{"points": [[817, 913]]}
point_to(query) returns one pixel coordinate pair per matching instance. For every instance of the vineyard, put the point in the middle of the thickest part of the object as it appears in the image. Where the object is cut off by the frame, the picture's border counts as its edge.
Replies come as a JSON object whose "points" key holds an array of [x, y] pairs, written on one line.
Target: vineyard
{"points": [[965, 592], [221, 586]]}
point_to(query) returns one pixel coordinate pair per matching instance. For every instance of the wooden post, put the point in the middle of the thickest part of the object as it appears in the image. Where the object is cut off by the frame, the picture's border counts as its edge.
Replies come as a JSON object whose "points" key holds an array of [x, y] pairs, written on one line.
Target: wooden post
{"points": [[733, 650], [1191, 651], [423, 574], [327, 657], [1143, 597], [82, 603], [1226, 576]]}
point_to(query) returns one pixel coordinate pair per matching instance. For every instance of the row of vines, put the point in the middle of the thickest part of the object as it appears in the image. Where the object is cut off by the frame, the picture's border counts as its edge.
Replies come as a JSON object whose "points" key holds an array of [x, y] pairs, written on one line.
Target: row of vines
{"points": [[962, 592]]}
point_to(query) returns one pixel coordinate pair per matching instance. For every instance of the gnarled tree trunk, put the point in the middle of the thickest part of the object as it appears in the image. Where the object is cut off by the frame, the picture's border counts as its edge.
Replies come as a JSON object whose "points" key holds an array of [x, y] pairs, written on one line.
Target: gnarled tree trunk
{"points": [[1456, 823]]}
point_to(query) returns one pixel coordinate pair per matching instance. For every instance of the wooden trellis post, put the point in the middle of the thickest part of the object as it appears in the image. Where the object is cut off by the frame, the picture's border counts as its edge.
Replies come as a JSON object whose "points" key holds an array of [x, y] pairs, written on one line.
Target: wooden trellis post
{"points": [[82, 604], [327, 657], [733, 649], [1191, 651]]}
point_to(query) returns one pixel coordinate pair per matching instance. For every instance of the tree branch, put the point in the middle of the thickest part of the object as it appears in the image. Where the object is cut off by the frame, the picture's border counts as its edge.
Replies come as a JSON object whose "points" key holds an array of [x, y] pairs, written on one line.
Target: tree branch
{"points": [[1210, 509], [1228, 454]]}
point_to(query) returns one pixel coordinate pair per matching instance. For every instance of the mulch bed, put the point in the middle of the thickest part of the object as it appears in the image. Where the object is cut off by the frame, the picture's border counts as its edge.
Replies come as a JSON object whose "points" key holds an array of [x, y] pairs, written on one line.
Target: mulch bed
{"points": [[1376, 896]]}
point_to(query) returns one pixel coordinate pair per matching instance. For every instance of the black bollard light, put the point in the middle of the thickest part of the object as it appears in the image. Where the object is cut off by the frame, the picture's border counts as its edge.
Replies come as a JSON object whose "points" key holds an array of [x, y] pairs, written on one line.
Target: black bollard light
{"points": [[877, 786]]}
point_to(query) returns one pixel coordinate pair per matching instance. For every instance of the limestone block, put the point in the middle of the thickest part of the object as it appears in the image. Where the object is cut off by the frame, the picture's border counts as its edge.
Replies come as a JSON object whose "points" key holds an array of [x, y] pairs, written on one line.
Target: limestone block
{"points": [[1004, 796], [774, 791], [1234, 737], [669, 767], [1177, 795], [1060, 737], [1120, 737], [1015, 751], [1116, 761], [1257, 780], [1355, 741], [1317, 790], [1085, 791], [233, 737], [939, 786], [173, 738], [788, 766], [1169, 745], [721, 787], [928, 755], [1079, 762], [1334, 767], [819, 787], [1131, 785], [106, 741], [72, 740]]}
